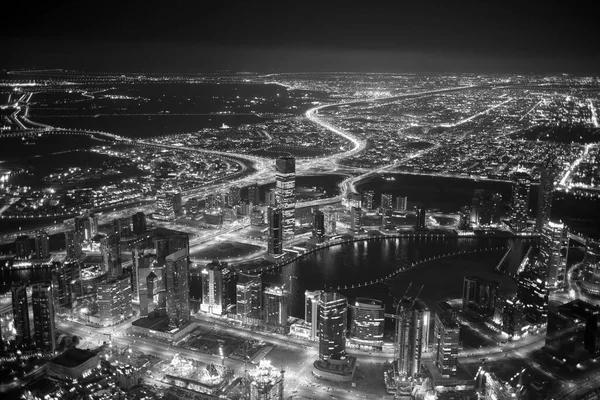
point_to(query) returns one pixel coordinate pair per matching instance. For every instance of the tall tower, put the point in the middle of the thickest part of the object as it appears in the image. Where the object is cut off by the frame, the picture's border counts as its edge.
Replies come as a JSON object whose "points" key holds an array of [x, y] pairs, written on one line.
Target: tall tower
{"points": [[445, 340], [552, 241], [139, 223], [41, 243], [544, 206], [217, 281], [311, 312], [23, 247], [249, 297], [285, 186], [386, 201], [43, 317], [333, 309], [254, 195], [521, 187], [276, 229], [21, 312], [275, 306], [412, 336], [178, 288], [591, 267], [72, 244], [367, 319], [318, 224]]}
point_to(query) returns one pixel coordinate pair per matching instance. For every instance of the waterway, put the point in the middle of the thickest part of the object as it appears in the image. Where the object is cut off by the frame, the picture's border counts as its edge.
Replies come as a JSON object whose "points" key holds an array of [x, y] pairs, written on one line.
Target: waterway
{"points": [[357, 262]]}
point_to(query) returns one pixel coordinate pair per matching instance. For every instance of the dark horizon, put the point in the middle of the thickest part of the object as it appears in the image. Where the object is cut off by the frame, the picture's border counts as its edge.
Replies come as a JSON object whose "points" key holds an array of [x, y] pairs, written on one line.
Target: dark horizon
{"points": [[434, 37]]}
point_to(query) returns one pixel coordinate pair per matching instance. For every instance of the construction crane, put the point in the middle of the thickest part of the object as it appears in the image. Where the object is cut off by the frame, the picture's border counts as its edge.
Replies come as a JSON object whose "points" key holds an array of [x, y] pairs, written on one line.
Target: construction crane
{"points": [[415, 298]]}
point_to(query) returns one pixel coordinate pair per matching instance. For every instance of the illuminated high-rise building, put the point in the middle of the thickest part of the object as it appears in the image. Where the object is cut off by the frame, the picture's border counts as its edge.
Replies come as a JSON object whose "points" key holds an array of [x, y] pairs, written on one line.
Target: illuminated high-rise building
{"points": [[275, 305], [285, 186], [21, 312], [23, 247], [545, 190], [330, 220], [43, 317], [590, 282], [368, 200], [264, 382], [234, 196], [41, 245], [271, 198], [275, 246], [401, 203], [333, 309], [178, 288], [412, 336], [166, 203], [532, 292], [64, 274], [110, 248], [311, 311], [421, 218], [254, 195], [521, 186], [513, 317], [552, 242], [249, 297], [114, 300], [355, 219], [386, 201], [387, 222], [73, 245], [217, 287], [445, 340], [479, 295], [318, 225], [367, 320]]}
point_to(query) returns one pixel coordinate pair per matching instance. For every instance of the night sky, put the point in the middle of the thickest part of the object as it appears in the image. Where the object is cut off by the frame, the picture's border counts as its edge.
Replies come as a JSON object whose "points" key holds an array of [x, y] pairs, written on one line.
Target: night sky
{"points": [[399, 36]]}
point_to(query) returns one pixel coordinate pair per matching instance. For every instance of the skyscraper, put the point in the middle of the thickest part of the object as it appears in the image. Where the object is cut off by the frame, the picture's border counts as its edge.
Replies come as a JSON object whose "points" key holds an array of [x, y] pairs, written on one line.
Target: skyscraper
{"points": [[110, 248], [333, 308], [532, 292], [591, 268], [217, 284], [114, 300], [521, 187], [421, 218], [43, 317], [479, 295], [41, 245], [275, 231], [264, 382], [330, 220], [254, 195], [367, 320], [386, 201], [552, 242], [275, 305], [401, 203], [445, 340], [21, 312], [285, 185], [249, 297], [355, 219], [544, 204], [139, 223], [178, 289], [72, 244], [311, 311], [23, 247], [368, 200], [319, 225], [412, 336], [63, 275]]}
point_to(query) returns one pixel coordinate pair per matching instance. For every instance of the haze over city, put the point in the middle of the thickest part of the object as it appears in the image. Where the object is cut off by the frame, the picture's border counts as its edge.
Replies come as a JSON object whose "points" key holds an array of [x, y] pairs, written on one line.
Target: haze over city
{"points": [[257, 200]]}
